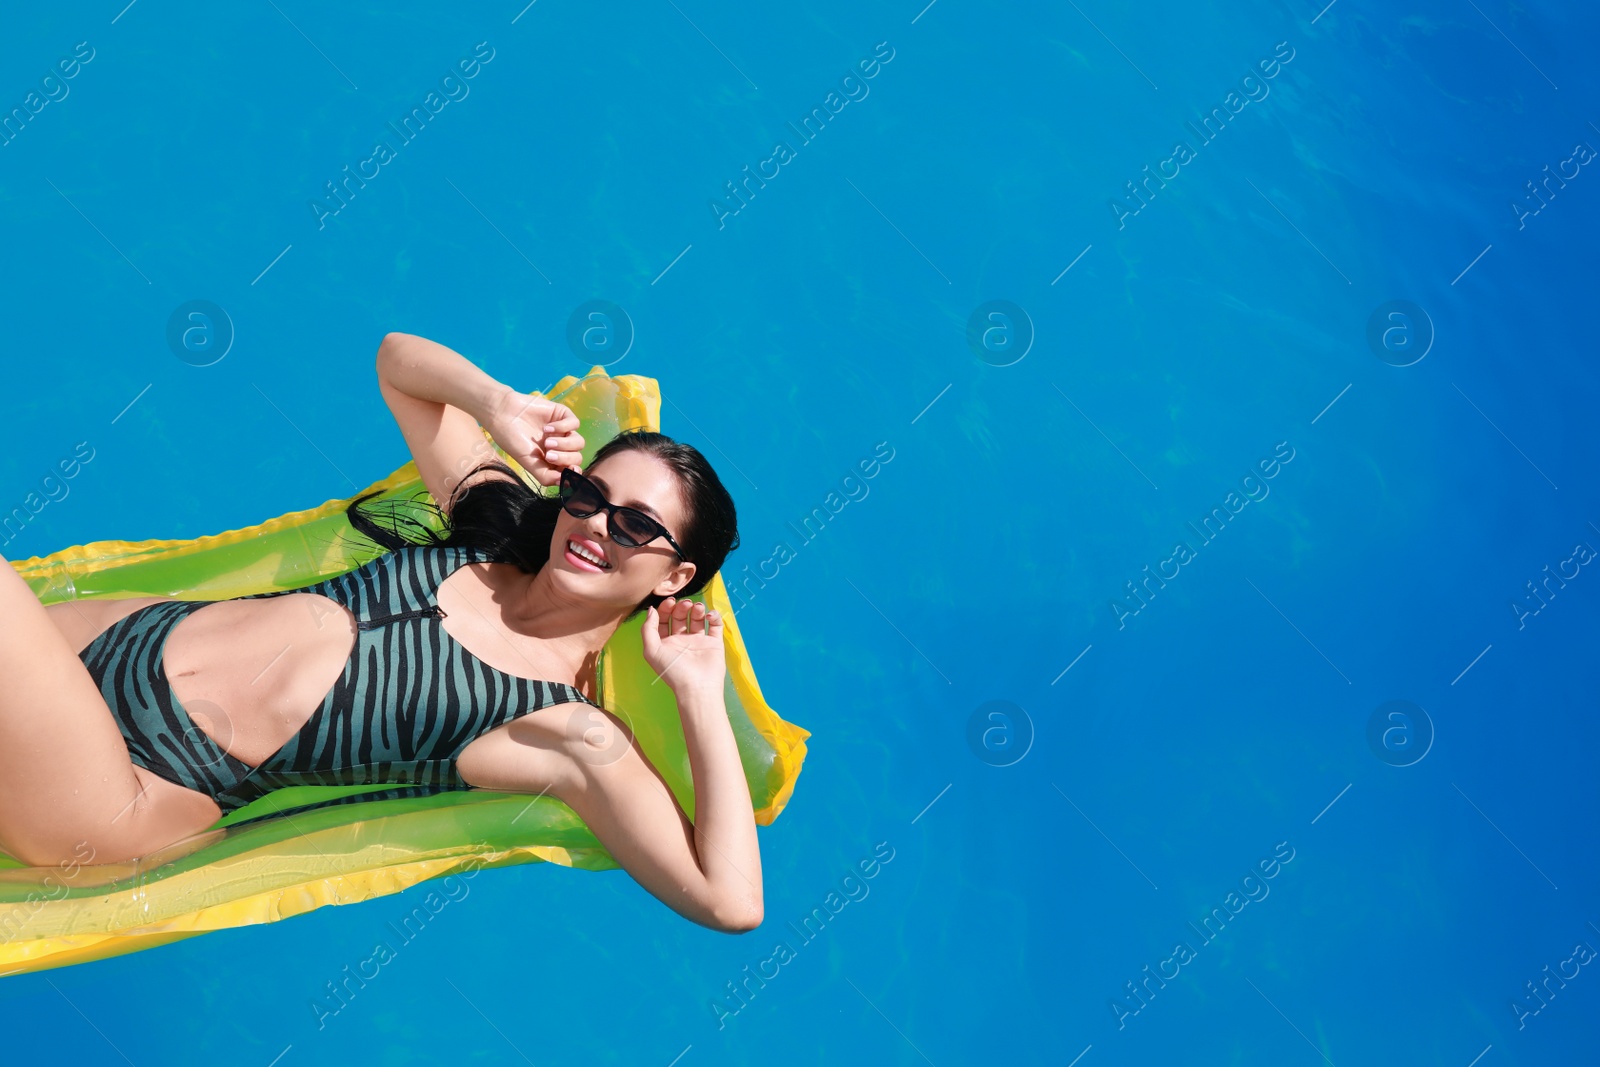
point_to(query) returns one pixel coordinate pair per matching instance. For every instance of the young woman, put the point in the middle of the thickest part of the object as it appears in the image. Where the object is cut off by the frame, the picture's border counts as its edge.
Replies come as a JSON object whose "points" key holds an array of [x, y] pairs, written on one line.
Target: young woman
{"points": [[466, 661]]}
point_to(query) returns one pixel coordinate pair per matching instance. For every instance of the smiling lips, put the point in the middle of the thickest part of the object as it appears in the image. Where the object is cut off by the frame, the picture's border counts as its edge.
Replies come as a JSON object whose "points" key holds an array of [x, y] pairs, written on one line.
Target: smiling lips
{"points": [[587, 554]]}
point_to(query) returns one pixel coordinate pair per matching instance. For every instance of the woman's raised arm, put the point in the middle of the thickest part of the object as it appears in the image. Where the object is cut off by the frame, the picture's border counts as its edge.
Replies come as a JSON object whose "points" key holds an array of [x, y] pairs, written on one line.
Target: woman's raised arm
{"points": [[709, 871], [440, 399], [589, 759]]}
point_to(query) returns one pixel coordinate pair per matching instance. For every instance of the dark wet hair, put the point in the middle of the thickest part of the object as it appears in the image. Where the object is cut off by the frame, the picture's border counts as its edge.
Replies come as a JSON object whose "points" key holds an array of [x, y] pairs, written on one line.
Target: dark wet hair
{"points": [[512, 522]]}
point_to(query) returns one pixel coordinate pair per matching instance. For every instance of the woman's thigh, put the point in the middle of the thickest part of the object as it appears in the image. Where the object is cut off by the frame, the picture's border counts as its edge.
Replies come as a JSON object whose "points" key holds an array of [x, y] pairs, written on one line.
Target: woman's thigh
{"points": [[66, 779]]}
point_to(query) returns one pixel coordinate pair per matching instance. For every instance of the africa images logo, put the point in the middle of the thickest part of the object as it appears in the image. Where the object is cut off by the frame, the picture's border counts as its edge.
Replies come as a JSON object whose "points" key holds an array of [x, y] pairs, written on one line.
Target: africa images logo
{"points": [[854, 87], [1255, 88]]}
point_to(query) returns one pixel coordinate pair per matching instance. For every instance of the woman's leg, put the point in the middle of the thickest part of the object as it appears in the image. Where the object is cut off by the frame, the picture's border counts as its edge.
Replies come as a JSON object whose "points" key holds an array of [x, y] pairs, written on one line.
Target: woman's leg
{"points": [[66, 779]]}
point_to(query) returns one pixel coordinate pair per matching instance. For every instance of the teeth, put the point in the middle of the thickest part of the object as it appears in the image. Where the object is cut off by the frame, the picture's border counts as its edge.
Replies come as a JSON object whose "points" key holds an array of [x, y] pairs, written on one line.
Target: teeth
{"points": [[584, 554]]}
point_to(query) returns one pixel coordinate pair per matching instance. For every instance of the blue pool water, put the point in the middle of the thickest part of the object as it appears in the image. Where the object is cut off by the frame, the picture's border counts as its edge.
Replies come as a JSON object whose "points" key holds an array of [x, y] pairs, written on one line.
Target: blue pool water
{"points": [[1070, 772]]}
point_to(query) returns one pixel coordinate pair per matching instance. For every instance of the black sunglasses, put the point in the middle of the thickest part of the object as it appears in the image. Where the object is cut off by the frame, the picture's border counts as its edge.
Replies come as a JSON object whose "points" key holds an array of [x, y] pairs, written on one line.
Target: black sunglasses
{"points": [[628, 527]]}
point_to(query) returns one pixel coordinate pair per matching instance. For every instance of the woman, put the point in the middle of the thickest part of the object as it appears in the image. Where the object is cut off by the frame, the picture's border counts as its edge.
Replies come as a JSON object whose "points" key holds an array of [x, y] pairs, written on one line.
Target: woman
{"points": [[462, 662]]}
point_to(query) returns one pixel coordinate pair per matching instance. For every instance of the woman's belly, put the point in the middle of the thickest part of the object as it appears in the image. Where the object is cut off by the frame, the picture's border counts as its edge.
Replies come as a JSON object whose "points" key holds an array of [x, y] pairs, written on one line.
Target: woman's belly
{"points": [[250, 673]]}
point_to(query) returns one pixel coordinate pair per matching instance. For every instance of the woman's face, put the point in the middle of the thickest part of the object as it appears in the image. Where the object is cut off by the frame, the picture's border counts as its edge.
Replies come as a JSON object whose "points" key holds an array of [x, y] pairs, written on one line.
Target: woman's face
{"points": [[586, 560]]}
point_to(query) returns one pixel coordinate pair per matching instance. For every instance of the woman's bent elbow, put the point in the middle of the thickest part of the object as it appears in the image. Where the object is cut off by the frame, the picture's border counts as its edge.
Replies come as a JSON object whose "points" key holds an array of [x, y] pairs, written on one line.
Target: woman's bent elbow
{"points": [[391, 341], [738, 917]]}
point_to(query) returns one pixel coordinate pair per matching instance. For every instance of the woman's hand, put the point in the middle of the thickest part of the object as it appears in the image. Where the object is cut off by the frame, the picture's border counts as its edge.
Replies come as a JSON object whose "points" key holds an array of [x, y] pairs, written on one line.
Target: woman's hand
{"points": [[683, 645], [541, 435]]}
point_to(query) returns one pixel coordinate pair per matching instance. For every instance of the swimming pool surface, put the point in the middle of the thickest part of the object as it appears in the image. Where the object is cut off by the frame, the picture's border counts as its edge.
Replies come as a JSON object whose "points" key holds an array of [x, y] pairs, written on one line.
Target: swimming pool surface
{"points": [[1211, 652]]}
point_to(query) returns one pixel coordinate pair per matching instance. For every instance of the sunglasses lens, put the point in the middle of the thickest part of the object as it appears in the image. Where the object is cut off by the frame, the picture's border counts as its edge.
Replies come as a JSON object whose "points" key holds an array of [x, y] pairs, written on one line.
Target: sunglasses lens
{"points": [[633, 528], [579, 497]]}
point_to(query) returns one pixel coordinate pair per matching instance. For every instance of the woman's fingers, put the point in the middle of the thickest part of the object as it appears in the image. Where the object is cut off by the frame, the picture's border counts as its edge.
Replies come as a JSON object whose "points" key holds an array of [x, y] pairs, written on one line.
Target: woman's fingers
{"points": [[675, 616], [560, 419], [561, 449], [555, 430], [687, 617], [650, 637], [562, 459], [563, 442]]}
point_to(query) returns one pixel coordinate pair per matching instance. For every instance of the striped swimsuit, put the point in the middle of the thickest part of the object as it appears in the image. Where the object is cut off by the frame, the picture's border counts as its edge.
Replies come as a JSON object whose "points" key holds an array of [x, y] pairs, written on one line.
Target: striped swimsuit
{"points": [[409, 700]]}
